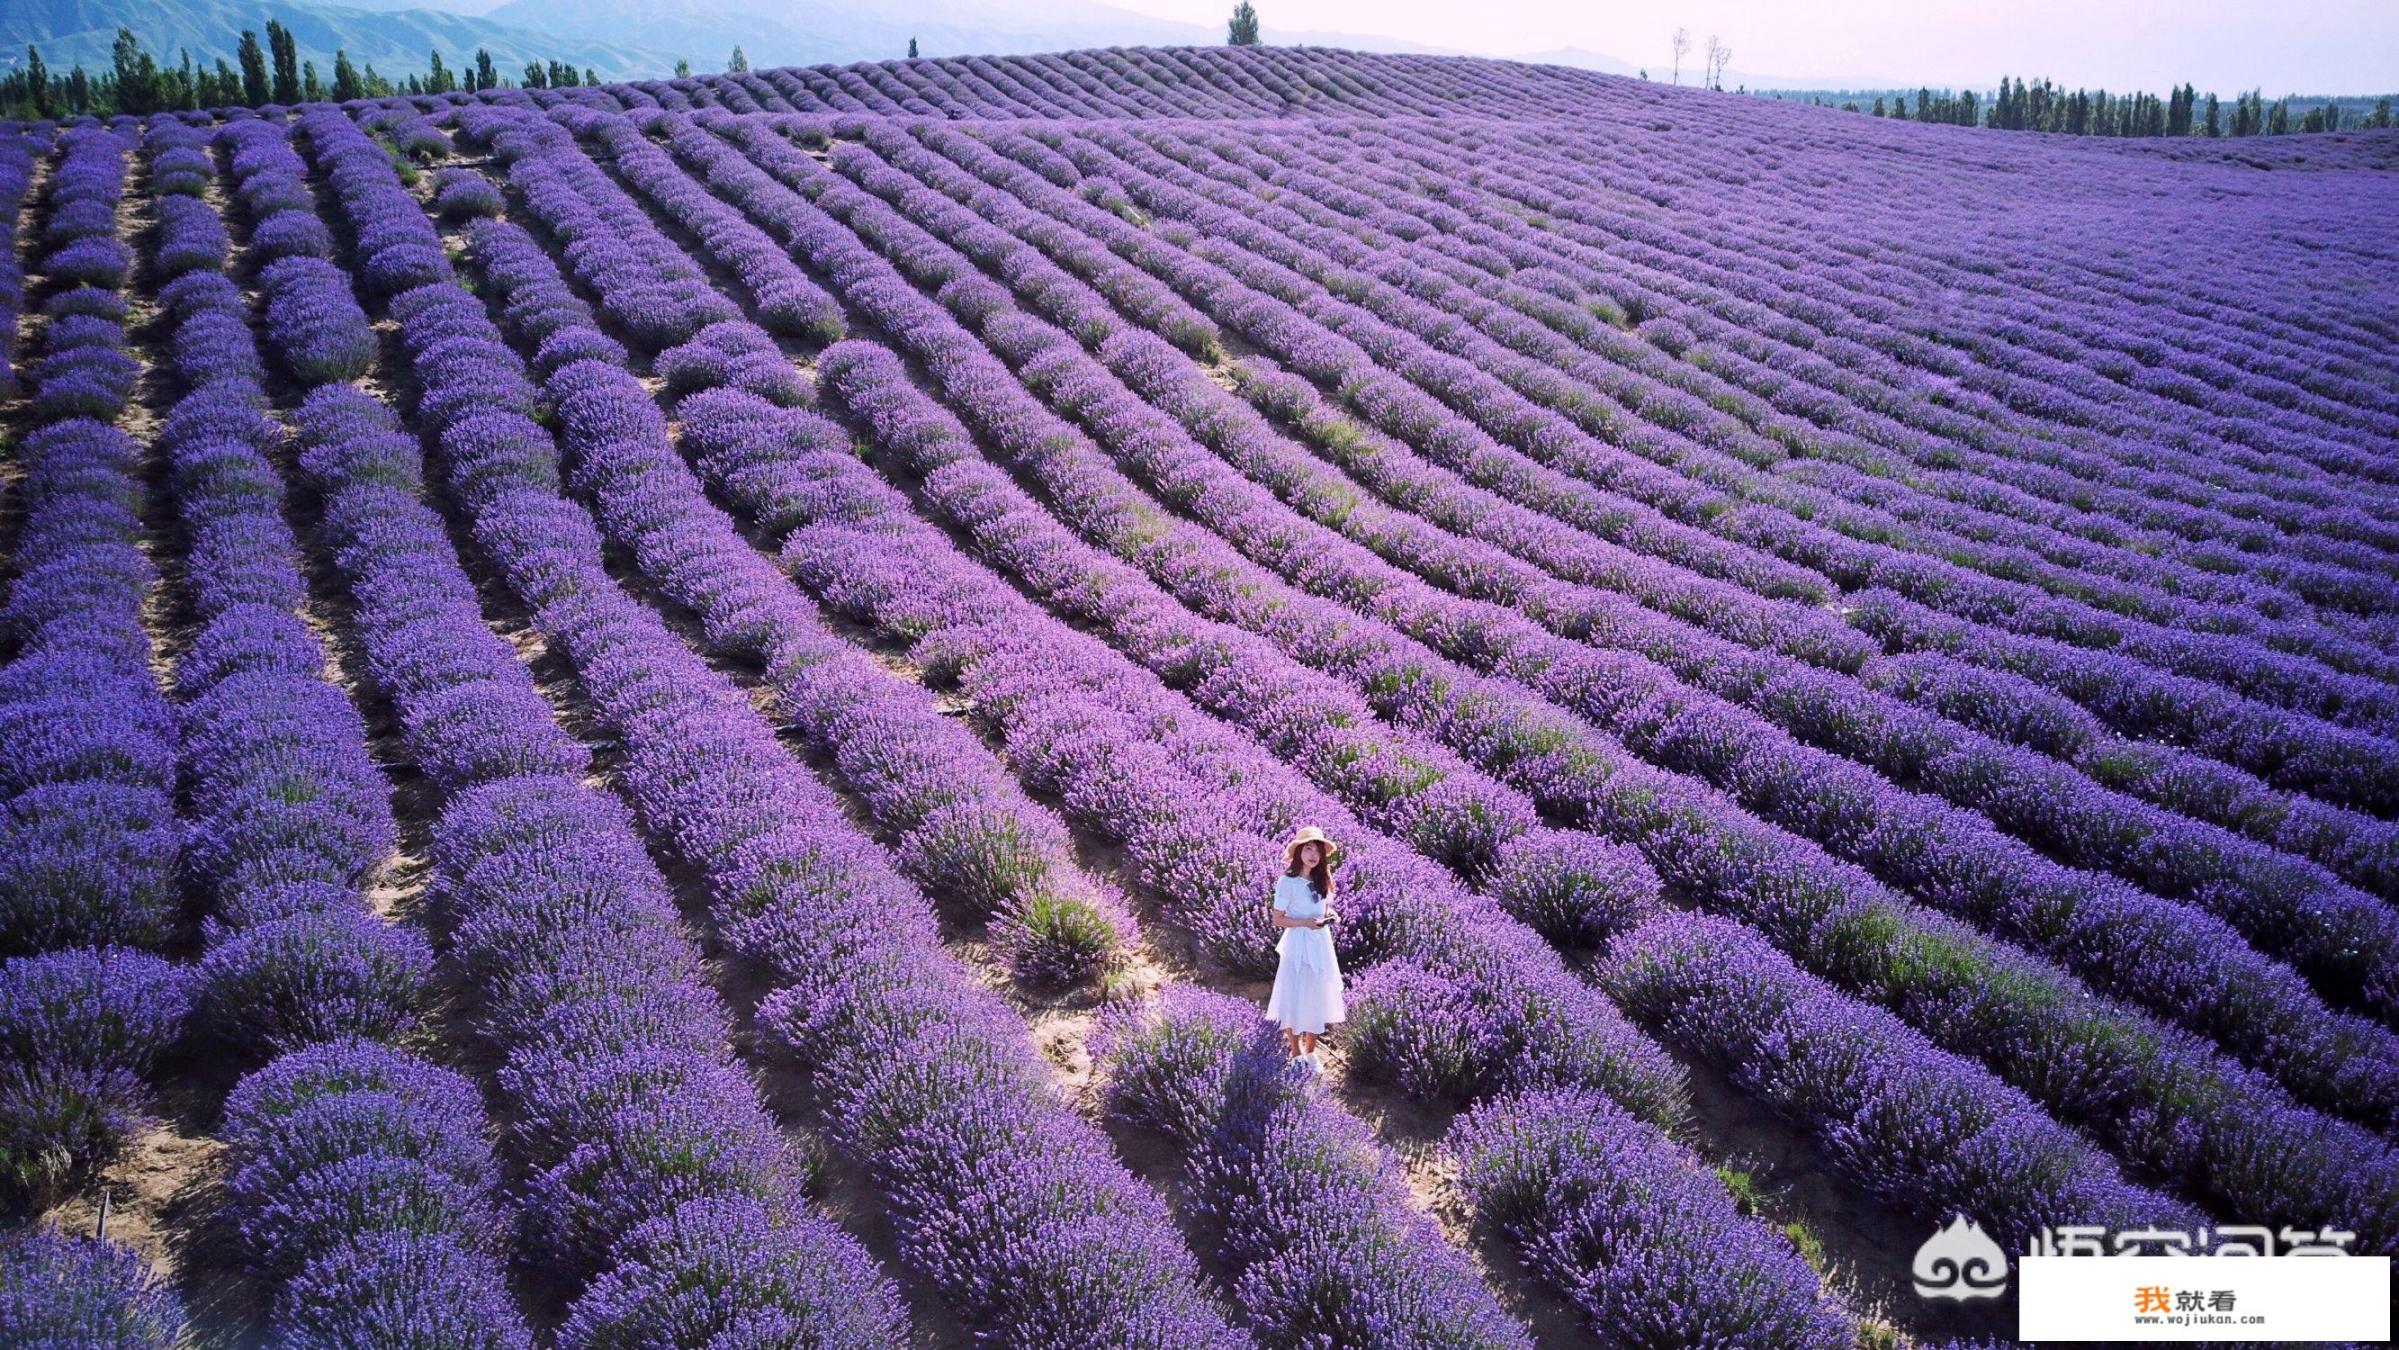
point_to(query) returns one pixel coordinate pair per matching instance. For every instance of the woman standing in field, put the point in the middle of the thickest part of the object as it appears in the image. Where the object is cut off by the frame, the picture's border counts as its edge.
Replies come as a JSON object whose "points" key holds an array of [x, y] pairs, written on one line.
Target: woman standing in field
{"points": [[1307, 982]]}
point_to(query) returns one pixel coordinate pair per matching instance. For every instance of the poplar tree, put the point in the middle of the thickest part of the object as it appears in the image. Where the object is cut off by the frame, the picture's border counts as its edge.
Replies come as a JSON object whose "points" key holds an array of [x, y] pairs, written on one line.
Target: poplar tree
{"points": [[137, 75], [254, 69], [287, 62], [1242, 30], [37, 76]]}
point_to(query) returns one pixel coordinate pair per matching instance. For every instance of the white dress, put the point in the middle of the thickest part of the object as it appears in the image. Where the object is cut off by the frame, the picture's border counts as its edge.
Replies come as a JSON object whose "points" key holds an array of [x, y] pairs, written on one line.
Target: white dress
{"points": [[1307, 983]]}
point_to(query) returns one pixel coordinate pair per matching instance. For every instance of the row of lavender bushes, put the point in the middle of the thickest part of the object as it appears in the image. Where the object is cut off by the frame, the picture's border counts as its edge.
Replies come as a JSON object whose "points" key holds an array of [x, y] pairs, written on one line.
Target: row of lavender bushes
{"points": [[2271, 1012], [658, 1192], [2321, 830], [694, 368], [1865, 333], [2259, 1176], [88, 856], [1567, 883], [1846, 428], [1215, 416], [2324, 745], [1345, 1310], [360, 1189], [762, 447], [964, 830], [1404, 410], [1397, 324], [1433, 1034], [902, 1046], [89, 843], [1703, 409]]}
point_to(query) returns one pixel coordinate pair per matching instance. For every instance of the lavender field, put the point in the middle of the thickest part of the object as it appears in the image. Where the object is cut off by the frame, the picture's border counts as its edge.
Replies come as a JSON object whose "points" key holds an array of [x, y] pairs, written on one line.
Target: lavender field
{"points": [[663, 714]]}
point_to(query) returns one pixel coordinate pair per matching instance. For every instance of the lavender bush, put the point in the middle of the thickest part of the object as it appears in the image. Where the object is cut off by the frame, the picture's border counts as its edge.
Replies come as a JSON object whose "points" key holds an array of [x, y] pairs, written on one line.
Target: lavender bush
{"points": [[73, 1293], [1311, 1219]]}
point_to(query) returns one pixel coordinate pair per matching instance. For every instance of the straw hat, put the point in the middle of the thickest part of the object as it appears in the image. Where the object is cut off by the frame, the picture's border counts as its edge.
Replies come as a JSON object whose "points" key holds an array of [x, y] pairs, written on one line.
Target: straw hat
{"points": [[1309, 834]]}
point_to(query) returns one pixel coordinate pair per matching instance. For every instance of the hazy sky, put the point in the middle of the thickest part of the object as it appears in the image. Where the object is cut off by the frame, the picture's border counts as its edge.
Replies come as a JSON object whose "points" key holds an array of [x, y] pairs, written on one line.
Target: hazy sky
{"points": [[2303, 46]]}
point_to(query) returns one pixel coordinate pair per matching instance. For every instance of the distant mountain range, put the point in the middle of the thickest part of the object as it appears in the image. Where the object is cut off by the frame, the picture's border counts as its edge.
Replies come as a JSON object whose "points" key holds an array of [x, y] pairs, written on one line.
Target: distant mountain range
{"points": [[644, 38], [395, 40]]}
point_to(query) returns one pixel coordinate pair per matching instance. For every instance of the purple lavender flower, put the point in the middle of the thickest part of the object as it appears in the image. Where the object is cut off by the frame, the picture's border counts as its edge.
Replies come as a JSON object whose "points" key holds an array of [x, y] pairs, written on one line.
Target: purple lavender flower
{"points": [[411, 1290], [73, 1293], [1306, 1210], [1635, 1230]]}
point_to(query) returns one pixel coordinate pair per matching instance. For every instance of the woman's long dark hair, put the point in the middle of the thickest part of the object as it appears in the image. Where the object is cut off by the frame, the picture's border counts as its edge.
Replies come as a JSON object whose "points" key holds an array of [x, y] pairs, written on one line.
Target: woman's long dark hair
{"points": [[1320, 876]]}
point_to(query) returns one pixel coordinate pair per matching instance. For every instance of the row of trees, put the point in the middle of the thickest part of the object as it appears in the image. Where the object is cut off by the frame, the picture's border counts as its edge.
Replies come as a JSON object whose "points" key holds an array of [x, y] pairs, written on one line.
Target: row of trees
{"points": [[1962, 109], [2043, 105], [261, 73], [2039, 105], [2030, 105]]}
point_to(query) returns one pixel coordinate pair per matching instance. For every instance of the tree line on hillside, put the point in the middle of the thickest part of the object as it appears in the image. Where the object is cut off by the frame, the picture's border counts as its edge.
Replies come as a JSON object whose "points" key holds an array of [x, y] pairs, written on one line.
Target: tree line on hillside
{"points": [[2027, 105], [261, 73], [2042, 105]]}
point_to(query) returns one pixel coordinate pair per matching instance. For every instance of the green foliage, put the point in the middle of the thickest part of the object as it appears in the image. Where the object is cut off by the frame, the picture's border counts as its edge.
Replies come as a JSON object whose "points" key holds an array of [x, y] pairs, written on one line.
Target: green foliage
{"points": [[137, 82], [2039, 105], [37, 78], [1242, 30], [1742, 1185], [254, 69], [136, 76], [286, 59]]}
